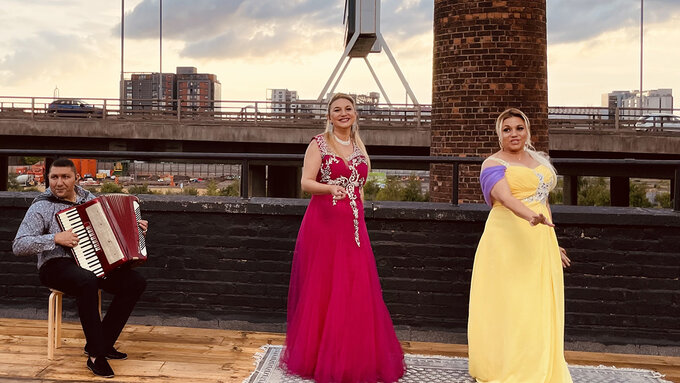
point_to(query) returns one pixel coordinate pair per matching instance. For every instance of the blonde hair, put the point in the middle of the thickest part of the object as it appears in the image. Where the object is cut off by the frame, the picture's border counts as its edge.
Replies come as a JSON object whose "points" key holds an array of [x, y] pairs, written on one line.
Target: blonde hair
{"points": [[354, 131], [541, 157]]}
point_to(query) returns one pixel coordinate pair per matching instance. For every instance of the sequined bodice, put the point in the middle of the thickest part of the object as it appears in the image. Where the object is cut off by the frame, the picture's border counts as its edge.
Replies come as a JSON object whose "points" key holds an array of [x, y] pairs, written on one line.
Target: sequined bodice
{"points": [[350, 174], [527, 184]]}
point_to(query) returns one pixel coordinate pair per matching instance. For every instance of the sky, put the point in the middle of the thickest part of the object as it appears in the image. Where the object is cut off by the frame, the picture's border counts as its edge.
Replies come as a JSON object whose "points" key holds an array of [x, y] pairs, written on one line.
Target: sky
{"points": [[73, 46]]}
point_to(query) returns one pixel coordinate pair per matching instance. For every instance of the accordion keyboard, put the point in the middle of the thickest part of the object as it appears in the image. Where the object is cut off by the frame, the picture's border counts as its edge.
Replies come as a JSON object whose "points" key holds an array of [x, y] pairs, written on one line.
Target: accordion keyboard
{"points": [[86, 249], [142, 240]]}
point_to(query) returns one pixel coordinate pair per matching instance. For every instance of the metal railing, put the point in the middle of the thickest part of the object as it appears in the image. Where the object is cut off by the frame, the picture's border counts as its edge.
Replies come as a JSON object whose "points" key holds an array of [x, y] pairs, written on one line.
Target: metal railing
{"points": [[218, 111], [301, 112], [603, 118], [246, 159]]}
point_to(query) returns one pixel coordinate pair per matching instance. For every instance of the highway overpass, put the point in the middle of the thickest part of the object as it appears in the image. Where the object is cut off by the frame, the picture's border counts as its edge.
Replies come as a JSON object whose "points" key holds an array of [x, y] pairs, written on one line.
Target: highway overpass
{"points": [[394, 136]]}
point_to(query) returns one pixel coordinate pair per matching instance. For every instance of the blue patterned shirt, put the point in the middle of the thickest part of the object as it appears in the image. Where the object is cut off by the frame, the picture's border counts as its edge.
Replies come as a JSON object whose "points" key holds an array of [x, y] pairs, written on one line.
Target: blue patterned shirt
{"points": [[36, 232]]}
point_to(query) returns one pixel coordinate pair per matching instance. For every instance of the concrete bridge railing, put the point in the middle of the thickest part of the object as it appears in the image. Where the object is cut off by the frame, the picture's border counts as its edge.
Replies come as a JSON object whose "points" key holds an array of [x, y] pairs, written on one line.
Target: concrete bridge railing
{"points": [[227, 112], [306, 112]]}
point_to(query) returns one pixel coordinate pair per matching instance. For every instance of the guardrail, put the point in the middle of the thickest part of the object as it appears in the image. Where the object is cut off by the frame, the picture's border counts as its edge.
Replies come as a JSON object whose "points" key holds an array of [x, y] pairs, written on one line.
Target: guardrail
{"points": [[311, 112], [221, 111], [245, 159], [603, 118]]}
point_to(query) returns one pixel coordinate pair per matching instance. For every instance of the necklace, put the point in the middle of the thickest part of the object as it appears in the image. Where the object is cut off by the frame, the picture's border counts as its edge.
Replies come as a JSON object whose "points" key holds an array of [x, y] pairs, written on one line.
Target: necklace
{"points": [[343, 142], [517, 158]]}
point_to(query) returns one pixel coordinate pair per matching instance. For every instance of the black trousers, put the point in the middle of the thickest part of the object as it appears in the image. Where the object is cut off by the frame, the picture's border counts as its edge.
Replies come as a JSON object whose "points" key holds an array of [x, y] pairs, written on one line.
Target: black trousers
{"points": [[125, 284]]}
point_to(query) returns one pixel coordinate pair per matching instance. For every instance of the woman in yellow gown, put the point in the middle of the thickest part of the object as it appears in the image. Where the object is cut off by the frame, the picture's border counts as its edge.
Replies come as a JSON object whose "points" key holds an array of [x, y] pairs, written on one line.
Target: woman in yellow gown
{"points": [[516, 322]]}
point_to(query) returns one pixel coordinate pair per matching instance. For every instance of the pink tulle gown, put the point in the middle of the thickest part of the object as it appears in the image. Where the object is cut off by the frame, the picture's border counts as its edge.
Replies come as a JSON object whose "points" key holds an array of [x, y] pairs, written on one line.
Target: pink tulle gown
{"points": [[339, 329]]}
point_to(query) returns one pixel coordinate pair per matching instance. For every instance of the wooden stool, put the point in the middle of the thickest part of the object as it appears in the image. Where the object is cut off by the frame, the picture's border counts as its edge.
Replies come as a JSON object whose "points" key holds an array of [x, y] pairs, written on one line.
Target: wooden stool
{"points": [[54, 320]]}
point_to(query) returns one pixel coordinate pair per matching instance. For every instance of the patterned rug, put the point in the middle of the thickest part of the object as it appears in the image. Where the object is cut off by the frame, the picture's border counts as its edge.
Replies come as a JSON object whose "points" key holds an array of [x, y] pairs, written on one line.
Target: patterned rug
{"points": [[441, 369]]}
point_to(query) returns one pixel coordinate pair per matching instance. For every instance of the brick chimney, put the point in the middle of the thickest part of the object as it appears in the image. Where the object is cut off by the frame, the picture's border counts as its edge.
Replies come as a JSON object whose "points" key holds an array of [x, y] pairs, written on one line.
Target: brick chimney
{"points": [[488, 56]]}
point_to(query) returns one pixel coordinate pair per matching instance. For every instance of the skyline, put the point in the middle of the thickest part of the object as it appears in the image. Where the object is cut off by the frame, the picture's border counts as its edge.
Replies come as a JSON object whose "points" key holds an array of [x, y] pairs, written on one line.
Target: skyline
{"points": [[74, 45]]}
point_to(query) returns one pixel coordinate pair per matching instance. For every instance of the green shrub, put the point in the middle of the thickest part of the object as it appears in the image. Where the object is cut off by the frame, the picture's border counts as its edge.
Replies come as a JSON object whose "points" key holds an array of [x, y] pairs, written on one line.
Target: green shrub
{"points": [[189, 191], [557, 194], [232, 190], [396, 190], [664, 200], [371, 190], [111, 187], [12, 184], [593, 192], [412, 190], [638, 196], [143, 189], [31, 160], [211, 188], [393, 190]]}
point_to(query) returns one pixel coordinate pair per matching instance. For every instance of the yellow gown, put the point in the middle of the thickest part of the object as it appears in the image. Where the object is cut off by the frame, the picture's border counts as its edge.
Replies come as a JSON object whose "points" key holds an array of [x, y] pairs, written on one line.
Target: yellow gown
{"points": [[516, 320]]}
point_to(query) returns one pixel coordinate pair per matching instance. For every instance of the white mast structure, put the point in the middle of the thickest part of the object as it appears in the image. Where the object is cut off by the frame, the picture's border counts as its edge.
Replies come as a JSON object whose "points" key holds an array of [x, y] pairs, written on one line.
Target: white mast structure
{"points": [[362, 36]]}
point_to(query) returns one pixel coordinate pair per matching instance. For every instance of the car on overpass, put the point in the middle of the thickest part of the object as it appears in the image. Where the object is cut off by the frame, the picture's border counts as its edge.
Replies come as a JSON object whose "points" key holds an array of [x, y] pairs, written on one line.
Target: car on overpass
{"points": [[68, 107], [658, 122]]}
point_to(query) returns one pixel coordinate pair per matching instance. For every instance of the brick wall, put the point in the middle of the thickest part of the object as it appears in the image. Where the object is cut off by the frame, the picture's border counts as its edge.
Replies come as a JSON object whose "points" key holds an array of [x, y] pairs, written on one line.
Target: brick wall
{"points": [[488, 56], [229, 259]]}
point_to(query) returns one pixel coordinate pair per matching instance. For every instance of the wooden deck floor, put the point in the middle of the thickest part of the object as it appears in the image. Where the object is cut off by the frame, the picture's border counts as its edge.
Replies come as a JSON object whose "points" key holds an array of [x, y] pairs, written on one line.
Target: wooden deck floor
{"points": [[176, 354]]}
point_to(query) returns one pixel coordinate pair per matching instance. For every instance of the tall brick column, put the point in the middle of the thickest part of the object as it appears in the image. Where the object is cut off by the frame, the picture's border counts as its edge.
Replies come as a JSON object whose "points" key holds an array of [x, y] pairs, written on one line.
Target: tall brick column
{"points": [[488, 56]]}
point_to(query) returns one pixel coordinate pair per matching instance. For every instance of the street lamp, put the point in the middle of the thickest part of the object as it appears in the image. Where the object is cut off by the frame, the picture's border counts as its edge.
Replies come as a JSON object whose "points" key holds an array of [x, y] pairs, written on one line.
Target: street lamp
{"points": [[122, 44], [160, 32], [642, 4]]}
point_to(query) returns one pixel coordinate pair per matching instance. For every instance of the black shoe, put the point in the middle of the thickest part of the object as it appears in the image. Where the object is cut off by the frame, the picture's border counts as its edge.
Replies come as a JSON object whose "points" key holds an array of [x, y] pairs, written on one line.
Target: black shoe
{"points": [[112, 354], [115, 354], [100, 367]]}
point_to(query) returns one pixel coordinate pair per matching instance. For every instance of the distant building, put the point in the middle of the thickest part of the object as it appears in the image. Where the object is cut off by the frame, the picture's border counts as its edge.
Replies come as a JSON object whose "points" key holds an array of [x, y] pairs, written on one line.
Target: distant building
{"points": [[651, 99], [198, 91], [372, 98], [142, 90], [367, 103], [283, 101]]}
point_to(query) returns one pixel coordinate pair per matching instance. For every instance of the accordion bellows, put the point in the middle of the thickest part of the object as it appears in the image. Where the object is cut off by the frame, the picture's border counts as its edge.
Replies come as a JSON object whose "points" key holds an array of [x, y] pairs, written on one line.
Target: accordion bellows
{"points": [[108, 234]]}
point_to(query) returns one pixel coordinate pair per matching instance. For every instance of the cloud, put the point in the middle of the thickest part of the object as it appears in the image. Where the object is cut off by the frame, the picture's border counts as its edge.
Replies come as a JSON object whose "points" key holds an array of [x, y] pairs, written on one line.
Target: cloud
{"points": [[576, 20], [182, 20], [217, 29], [46, 55], [268, 41], [405, 19], [206, 19]]}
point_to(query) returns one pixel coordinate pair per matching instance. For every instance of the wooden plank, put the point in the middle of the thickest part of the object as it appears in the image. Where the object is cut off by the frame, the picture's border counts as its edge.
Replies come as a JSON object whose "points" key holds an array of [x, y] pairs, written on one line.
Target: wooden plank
{"points": [[161, 354], [443, 349], [15, 370]]}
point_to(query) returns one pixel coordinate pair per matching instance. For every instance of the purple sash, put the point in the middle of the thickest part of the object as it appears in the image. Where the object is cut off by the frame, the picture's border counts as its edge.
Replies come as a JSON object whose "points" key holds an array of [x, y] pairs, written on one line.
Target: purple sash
{"points": [[489, 178]]}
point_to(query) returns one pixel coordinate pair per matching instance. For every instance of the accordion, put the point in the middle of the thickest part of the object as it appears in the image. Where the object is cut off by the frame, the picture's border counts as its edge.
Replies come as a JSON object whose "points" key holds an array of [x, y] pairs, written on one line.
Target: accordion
{"points": [[108, 234]]}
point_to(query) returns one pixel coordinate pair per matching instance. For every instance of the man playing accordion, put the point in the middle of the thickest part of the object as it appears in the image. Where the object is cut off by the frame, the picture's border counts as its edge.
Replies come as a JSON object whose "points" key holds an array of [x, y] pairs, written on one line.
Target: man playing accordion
{"points": [[40, 234]]}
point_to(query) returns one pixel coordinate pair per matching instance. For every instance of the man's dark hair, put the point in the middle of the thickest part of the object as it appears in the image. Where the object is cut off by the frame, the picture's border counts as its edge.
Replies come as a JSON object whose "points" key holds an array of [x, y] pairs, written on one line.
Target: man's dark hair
{"points": [[64, 162]]}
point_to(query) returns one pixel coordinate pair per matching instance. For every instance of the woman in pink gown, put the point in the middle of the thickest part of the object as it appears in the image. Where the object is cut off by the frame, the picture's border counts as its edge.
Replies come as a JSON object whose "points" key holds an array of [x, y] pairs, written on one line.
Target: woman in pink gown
{"points": [[339, 329]]}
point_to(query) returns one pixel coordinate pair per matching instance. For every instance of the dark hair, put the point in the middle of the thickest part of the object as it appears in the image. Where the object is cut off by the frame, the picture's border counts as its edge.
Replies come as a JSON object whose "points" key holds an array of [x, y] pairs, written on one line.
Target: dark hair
{"points": [[63, 162]]}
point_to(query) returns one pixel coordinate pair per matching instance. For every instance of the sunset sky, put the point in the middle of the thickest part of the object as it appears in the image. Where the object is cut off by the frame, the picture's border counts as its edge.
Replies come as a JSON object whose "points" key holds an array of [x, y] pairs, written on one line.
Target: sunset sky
{"points": [[74, 45]]}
